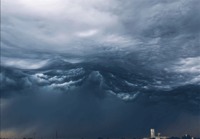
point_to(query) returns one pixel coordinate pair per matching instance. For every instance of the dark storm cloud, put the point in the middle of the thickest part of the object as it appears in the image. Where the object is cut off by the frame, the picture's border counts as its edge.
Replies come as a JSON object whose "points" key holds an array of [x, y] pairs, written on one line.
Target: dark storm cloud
{"points": [[100, 68], [75, 102], [82, 112]]}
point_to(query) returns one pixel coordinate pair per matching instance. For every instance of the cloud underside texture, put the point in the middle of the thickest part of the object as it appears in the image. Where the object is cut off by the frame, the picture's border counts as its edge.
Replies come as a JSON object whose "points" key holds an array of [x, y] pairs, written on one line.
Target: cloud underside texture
{"points": [[100, 68]]}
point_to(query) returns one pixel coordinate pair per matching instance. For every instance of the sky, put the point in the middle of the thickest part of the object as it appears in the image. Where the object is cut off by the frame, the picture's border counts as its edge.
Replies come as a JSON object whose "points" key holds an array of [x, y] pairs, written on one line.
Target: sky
{"points": [[88, 68]]}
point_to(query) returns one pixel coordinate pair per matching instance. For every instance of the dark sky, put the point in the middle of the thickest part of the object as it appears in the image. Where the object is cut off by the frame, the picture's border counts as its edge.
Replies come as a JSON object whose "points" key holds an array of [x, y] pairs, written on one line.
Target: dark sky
{"points": [[106, 68]]}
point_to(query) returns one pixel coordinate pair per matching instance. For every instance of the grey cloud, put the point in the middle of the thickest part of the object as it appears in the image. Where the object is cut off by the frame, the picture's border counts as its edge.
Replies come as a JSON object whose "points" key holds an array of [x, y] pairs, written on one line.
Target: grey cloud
{"points": [[100, 68], [157, 31]]}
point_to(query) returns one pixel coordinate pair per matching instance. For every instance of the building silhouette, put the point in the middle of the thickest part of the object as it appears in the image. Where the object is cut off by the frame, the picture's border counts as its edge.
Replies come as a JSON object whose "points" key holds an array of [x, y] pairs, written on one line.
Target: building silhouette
{"points": [[154, 136]]}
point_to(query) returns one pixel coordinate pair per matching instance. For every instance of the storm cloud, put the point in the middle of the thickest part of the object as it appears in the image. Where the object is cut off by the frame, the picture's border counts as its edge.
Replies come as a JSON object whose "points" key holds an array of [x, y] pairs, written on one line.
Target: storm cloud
{"points": [[100, 68]]}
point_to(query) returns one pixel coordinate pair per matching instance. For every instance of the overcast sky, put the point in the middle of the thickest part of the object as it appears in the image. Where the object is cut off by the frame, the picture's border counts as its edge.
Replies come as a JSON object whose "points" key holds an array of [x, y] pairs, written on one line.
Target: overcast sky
{"points": [[158, 32], [141, 36], [85, 25]]}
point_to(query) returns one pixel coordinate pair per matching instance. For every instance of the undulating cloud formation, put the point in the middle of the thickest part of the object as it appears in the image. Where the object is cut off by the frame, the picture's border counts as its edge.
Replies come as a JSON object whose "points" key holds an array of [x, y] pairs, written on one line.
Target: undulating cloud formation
{"points": [[111, 68]]}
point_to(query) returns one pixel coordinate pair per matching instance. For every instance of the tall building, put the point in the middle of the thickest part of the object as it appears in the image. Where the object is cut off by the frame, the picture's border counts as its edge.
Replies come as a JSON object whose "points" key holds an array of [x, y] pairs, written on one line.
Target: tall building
{"points": [[152, 133]]}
